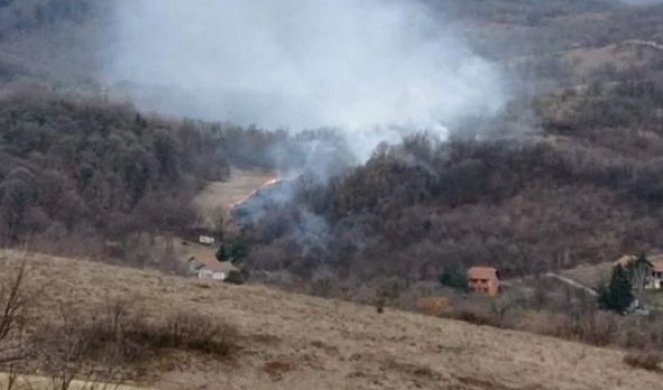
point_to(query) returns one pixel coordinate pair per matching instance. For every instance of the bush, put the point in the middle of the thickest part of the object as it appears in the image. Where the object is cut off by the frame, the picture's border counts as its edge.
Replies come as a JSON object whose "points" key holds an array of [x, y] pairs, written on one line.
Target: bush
{"points": [[236, 277], [119, 335], [647, 360], [194, 332], [455, 278], [16, 297], [233, 250], [434, 306], [475, 311]]}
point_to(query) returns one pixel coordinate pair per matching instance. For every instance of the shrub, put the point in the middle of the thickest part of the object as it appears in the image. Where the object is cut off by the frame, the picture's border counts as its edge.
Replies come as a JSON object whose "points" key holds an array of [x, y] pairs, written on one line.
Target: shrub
{"points": [[647, 360], [17, 297], [236, 277], [435, 306], [234, 250], [119, 335], [455, 278], [195, 332], [475, 311]]}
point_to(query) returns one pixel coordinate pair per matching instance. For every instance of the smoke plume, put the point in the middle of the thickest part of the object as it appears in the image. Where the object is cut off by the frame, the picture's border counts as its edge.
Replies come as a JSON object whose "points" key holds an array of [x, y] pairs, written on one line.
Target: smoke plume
{"points": [[642, 2], [385, 65]]}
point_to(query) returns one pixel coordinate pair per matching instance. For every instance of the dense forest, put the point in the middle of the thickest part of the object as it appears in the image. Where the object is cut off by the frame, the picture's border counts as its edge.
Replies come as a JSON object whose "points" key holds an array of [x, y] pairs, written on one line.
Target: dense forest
{"points": [[548, 202], [92, 169], [79, 172]]}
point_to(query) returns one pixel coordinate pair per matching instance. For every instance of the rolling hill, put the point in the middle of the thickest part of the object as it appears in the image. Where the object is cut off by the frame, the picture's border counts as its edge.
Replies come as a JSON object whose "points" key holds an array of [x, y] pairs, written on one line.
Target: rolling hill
{"points": [[289, 341], [568, 174]]}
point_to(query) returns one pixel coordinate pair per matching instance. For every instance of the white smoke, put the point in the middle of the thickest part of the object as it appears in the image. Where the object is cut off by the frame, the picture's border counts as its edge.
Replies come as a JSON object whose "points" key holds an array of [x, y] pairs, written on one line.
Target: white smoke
{"points": [[350, 64], [642, 2]]}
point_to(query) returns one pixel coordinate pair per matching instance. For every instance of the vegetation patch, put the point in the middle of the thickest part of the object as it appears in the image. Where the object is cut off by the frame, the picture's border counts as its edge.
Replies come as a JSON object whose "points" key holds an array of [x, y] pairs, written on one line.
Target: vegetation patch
{"points": [[277, 369], [122, 335], [646, 360]]}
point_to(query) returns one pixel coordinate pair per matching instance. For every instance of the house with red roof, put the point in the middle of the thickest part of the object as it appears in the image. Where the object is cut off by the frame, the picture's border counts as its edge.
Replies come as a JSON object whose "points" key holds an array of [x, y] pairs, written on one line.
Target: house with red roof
{"points": [[653, 277], [484, 280]]}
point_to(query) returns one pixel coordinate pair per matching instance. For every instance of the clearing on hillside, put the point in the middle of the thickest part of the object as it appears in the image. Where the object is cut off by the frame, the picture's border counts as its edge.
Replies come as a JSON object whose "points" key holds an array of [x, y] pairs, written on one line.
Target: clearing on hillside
{"points": [[222, 196], [213, 206]]}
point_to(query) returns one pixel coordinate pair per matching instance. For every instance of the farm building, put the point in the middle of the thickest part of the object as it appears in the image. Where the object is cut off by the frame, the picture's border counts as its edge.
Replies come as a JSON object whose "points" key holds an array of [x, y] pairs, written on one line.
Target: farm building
{"points": [[651, 270], [210, 269], [201, 236], [206, 240], [654, 280], [484, 280]]}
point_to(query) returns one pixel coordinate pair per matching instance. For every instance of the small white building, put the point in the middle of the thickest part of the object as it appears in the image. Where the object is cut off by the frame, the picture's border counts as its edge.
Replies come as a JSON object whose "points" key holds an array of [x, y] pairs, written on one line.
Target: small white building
{"points": [[209, 269], [206, 240], [654, 280], [209, 274]]}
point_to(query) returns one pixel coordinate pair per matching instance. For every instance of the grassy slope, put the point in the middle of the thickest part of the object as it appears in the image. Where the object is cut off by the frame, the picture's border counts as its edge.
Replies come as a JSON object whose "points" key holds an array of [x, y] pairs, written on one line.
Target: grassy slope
{"points": [[298, 342], [223, 195], [217, 200], [42, 383]]}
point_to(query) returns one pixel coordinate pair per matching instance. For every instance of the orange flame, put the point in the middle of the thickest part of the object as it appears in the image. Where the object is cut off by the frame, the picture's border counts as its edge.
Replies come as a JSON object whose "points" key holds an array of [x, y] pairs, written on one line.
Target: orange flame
{"points": [[267, 184]]}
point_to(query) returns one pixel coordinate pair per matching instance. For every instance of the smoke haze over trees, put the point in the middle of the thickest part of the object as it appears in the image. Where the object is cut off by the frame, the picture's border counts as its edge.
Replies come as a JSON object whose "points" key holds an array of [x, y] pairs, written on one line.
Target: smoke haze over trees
{"points": [[552, 117], [350, 64], [414, 139]]}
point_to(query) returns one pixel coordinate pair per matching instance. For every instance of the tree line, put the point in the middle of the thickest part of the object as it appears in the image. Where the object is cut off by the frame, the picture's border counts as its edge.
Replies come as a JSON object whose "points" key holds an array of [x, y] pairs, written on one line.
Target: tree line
{"points": [[85, 171]]}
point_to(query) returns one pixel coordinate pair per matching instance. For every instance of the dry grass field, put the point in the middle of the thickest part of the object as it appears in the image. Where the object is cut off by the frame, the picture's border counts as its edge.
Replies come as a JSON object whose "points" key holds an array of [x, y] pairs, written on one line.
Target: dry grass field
{"points": [[32, 382], [287, 341], [590, 275]]}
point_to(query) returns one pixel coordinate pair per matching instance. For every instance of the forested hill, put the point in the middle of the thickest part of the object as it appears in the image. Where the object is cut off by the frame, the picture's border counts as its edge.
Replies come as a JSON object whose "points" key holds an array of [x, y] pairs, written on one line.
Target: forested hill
{"points": [[568, 173], [582, 185], [92, 169], [77, 172]]}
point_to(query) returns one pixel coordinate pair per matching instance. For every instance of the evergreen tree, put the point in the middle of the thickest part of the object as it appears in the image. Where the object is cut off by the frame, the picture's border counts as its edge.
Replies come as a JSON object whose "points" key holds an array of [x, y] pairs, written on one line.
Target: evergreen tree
{"points": [[455, 278], [617, 296], [233, 250]]}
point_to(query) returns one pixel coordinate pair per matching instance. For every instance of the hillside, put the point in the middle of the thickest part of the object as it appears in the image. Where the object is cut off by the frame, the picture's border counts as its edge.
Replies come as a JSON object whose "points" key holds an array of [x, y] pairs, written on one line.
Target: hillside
{"points": [[567, 174], [564, 179], [218, 198], [76, 167], [288, 341]]}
